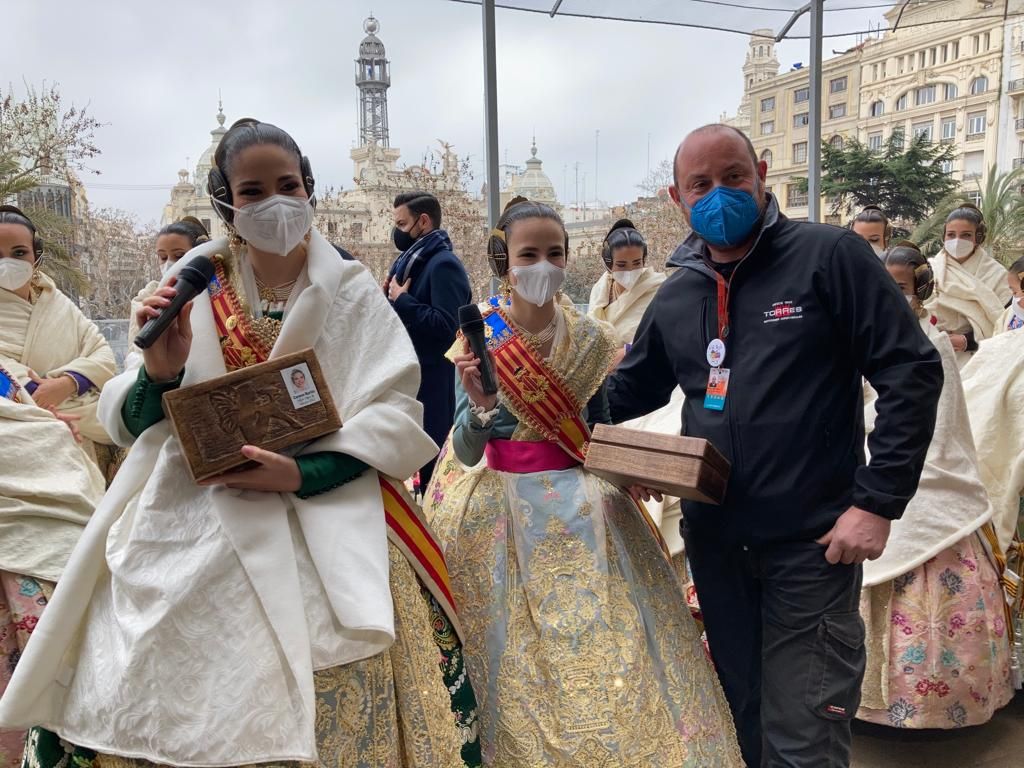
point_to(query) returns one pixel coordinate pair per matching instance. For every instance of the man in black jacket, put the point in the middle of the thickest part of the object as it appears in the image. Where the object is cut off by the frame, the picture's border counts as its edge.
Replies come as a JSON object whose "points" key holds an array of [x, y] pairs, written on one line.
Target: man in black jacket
{"points": [[787, 317], [426, 285]]}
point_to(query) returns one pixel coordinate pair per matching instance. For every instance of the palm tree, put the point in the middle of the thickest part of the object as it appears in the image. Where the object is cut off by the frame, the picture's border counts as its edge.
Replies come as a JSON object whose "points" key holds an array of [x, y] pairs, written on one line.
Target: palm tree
{"points": [[1003, 208], [59, 263]]}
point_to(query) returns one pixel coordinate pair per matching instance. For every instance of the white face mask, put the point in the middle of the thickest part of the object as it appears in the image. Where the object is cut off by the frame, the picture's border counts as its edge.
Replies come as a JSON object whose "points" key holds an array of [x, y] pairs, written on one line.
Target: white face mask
{"points": [[538, 283], [958, 249], [164, 266], [275, 225], [1018, 307], [879, 250], [14, 273], [628, 279]]}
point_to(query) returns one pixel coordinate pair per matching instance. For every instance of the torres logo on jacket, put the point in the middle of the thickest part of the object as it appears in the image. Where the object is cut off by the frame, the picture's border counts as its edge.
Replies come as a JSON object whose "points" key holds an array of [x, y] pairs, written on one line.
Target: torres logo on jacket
{"points": [[783, 310]]}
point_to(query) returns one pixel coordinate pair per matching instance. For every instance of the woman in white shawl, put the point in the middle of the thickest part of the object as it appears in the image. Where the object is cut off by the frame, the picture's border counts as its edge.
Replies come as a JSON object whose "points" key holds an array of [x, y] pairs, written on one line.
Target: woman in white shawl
{"points": [[970, 286], [63, 359], [938, 640], [262, 616], [48, 485], [620, 298], [1013, 317]]}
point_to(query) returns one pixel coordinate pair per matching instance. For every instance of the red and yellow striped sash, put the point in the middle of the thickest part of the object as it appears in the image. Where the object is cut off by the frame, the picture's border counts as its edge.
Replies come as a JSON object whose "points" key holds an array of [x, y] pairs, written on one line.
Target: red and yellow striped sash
{"points": [[407, 528]]}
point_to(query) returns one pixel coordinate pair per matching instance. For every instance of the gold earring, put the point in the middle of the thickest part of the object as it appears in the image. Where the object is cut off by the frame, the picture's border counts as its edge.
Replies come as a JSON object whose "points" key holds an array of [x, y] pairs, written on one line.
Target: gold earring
{"points": [[235, 241]]}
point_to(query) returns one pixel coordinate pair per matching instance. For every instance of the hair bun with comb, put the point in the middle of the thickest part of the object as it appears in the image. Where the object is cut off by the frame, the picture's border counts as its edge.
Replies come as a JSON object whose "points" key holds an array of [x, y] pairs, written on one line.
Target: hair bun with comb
{"points": [[514, 202], [622, 234]]}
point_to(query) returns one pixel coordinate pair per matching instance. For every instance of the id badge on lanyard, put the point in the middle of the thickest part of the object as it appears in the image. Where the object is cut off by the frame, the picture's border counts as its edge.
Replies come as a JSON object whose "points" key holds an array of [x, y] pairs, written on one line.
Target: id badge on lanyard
{"points": [[718, 378]]}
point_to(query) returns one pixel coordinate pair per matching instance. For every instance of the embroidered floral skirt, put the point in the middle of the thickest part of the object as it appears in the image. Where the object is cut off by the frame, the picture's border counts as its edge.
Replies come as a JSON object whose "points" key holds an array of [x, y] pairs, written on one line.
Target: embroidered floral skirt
{"points": [[578, 640], [411, 706], [938, 644]]}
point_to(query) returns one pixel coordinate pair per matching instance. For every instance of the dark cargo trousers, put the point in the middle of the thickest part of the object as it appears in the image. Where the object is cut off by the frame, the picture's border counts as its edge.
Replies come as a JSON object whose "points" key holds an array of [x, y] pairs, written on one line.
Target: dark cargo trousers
{"points": [[788, 644]]}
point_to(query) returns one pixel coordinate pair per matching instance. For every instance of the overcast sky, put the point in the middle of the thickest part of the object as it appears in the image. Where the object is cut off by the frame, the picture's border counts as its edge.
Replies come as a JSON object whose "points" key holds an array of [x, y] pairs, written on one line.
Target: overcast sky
{"points": [[150, 72]]}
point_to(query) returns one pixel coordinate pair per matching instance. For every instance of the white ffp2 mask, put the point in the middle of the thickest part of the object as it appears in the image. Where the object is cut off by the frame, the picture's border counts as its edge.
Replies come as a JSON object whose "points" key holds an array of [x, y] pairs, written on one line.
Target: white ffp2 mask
{"points": [[14, 273], [538, 283], [274, 225], [958, 248], [628, 279]]}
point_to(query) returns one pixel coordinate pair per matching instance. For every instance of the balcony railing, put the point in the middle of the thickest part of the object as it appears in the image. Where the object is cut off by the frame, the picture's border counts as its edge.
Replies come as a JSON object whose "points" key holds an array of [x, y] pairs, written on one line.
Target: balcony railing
{"points": [[1020, 123], [1015, 85], [796, 201]]}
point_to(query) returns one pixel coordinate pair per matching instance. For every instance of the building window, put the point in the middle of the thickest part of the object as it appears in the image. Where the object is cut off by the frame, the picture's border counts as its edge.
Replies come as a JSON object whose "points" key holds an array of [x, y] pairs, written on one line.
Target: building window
{"points": [[901, 103], [795, 197], [949, 91], [874, 72], [932, 56], [767, 105], [924, 95], [766, 156], [979, 85], [948, 128], [332, 228], [836, 111], [975, 125], [206, 225], [923, 131], [877, 109], [986, 42], [768, 126], [800, 152], [944, 55], [977, 43], [897, 137], [974, 164], [836, 142], [874, 141], [800, 120], [355, 231], [837, 85], [947, 167], [956, 50], [920, 60], [975, 198], [801, 95]]}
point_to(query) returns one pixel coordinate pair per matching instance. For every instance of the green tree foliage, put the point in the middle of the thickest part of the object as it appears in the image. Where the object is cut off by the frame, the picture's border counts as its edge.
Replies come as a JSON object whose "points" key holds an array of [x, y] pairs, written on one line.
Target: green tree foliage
{"points": [[42, 139], [904, 179]]}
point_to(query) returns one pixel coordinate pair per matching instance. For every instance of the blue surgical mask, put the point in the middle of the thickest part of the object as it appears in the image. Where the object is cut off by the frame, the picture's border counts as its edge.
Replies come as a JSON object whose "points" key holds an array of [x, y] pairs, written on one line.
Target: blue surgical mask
{"points": [[725, 216]]}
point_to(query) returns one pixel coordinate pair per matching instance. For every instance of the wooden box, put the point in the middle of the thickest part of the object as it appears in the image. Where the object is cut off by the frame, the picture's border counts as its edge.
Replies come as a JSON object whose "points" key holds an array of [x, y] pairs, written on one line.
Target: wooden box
{"points": [[273, 405], [685, 467]]}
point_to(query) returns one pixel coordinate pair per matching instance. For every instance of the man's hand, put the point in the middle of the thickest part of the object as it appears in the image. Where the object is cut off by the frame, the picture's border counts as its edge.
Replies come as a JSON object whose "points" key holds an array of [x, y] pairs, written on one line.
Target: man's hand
{"points": [[396, 289], [642, 493], [858, 535]]}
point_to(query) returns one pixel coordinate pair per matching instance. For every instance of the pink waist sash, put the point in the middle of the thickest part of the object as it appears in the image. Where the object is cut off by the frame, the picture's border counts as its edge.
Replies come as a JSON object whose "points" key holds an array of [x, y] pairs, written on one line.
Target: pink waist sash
{"points": [[521, 457]]}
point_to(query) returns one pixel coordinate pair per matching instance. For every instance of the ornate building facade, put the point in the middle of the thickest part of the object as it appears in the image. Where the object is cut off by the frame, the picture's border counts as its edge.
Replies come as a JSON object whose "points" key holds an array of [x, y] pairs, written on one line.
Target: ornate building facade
{"points": [[946, 73]]}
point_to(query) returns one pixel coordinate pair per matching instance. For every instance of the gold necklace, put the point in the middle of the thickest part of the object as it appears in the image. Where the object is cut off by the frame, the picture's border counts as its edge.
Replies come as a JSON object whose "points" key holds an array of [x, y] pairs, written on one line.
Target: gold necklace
{"points": [[543, 336], [275, 295]]}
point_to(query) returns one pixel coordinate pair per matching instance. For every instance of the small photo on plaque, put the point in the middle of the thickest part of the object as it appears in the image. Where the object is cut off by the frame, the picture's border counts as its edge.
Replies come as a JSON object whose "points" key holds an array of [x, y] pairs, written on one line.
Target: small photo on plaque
{"points": [[300, 385]]}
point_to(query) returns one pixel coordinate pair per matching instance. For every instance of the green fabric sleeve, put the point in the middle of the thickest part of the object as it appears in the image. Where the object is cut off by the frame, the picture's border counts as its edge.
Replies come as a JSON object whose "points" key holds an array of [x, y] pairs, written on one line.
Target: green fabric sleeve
{"points": [[325, 471], [144, 405]]}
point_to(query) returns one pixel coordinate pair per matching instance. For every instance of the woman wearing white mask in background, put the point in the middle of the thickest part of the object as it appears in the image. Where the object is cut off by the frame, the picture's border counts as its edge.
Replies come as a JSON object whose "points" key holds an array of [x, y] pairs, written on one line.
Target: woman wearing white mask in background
{"points": [[579, 643], [172, 242], [873, 226], [62, 359], [1013, 316], [971, 290], [622, 293], [260, 616], [620, 298]]}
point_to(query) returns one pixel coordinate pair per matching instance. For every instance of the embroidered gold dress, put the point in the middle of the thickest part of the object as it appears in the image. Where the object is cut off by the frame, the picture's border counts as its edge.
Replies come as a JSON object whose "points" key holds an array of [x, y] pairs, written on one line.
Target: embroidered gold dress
{"points": [[578, 639], [198, 672]]}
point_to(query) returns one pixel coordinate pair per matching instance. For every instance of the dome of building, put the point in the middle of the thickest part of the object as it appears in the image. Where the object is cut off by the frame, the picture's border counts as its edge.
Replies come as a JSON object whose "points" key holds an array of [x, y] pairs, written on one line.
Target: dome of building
{"points": [[533, 183], [206, 159], [371, 45]]}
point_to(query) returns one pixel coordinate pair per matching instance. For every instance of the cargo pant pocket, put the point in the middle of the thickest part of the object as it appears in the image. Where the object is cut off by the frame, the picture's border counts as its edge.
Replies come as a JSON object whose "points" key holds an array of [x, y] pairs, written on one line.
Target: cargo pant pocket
{"points": [[837, 667]]}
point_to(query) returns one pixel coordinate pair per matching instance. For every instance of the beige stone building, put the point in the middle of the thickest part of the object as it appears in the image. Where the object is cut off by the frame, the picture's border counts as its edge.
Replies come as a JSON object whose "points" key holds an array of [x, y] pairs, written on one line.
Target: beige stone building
{"points": [[940, 74]]}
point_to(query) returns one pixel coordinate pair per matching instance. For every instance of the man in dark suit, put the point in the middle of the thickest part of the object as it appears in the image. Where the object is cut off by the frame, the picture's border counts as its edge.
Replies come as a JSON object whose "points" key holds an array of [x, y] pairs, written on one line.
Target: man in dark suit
{"points": [[426, 285]]}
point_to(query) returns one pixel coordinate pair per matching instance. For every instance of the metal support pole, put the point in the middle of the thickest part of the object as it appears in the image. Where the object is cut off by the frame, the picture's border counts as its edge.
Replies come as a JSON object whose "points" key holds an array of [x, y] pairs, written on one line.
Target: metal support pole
{"points": [[814, 123], [491, 121]]}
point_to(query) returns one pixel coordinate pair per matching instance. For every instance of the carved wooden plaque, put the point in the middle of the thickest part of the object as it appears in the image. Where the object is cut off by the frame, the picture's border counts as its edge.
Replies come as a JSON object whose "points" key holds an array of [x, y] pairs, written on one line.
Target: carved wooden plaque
{"points": [[685, 467], [274, 405]]}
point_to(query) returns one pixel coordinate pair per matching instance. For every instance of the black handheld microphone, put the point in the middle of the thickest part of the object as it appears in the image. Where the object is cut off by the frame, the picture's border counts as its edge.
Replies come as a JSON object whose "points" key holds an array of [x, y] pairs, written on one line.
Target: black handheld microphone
{"points": [[471, 323], [192, 280]]}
